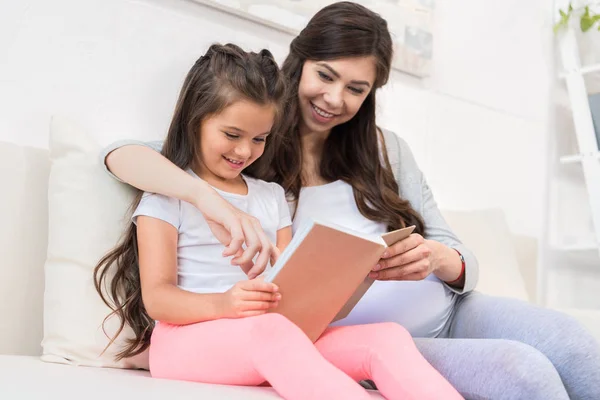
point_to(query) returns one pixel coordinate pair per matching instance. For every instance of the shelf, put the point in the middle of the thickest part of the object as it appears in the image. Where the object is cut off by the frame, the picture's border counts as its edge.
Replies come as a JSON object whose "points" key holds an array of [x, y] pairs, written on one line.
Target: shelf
{"points": [[588, 69], [574, 158], [589, 246], [581, 256]]}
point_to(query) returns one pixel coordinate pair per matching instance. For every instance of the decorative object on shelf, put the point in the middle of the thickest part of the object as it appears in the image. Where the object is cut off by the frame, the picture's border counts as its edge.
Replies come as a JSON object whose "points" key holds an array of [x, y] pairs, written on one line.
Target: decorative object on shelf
{"points": [[410, 22], [583, 17], [587, 17]]}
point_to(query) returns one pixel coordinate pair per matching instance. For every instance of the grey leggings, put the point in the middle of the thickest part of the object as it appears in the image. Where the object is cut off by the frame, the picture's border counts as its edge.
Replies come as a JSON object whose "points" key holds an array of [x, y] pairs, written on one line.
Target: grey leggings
{"points": [[497, 348]]}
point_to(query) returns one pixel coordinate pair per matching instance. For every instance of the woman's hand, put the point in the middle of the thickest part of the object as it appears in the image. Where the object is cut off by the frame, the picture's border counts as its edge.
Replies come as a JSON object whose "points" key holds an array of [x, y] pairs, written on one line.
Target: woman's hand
{"points": [[148, 170], [406, 260], [250, 298], [415, 258], [233, 227]]}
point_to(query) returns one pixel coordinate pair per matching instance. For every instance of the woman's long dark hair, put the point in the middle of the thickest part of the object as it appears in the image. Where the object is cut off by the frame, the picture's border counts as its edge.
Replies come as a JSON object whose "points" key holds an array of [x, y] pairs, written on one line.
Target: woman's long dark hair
{"points": [[222, 76], [351, 151]]}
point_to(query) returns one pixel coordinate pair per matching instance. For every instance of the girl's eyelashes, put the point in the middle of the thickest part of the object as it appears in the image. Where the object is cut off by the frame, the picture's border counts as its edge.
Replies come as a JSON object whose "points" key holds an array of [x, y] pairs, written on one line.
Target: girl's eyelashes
{"points": [[356, 90], [232, 136]]}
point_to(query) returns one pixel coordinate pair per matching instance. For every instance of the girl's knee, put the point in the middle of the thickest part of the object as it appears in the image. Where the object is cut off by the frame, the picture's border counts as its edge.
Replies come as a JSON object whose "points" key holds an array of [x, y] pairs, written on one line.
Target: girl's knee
{"points": [[389, 336], [383, 335], [272, 324], [392, 331]]}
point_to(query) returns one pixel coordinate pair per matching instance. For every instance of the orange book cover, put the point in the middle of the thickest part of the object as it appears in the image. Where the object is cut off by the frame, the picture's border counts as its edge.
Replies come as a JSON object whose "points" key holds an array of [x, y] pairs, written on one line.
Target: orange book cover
{"points": [[323, 273]]}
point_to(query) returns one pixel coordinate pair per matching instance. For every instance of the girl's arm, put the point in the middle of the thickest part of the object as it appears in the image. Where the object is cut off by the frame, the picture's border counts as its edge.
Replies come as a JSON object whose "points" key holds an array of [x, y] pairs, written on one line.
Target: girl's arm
{"points": [[146, 169], [284, 237], [164, 301]]}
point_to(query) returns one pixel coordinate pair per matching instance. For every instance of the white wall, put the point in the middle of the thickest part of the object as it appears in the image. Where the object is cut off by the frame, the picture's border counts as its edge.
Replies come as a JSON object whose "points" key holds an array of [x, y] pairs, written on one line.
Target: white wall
{"points": [[477, 126]]}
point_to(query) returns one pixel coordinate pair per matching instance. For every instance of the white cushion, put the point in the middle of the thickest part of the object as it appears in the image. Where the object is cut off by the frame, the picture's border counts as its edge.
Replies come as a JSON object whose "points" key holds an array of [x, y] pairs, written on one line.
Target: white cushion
{"points": [[87, 212], [52, 381], [23, 235], [486, 233]]}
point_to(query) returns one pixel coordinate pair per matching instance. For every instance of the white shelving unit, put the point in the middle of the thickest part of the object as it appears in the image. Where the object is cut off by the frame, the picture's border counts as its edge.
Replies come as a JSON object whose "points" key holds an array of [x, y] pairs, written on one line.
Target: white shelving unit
{"points": [[589, 155], [586, 159]]}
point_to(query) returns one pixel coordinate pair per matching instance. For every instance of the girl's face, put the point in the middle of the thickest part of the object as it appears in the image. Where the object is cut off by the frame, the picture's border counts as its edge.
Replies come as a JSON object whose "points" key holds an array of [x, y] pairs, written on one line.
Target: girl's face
{"points": [[233, 139], [331, 92]]}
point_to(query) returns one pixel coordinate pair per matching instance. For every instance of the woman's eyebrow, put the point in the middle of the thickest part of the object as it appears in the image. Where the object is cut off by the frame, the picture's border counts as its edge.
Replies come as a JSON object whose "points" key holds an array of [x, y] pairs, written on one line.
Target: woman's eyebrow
{"points": [[337, 75]]}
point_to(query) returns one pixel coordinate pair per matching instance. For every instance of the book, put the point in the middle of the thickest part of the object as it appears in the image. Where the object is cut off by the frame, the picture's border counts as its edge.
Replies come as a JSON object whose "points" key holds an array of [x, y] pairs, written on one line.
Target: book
{"points": [[323, 273]]}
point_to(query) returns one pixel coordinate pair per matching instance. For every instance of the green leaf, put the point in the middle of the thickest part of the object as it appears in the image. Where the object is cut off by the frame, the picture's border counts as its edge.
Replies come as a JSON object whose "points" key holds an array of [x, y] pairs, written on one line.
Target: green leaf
{"points": [[587, 11], [586, 23], [562, 13], [563, 24], [557, 27], [570, 7]]}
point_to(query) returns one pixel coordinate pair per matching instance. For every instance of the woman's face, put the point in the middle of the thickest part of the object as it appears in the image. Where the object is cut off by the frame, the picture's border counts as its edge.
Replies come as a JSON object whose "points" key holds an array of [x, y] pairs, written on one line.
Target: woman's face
{"points": [[331, 92]]}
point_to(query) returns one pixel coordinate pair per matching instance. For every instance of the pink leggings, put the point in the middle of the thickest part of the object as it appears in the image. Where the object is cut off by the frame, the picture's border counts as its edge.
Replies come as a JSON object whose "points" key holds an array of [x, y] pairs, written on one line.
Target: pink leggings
{"points": [[250, 351]]}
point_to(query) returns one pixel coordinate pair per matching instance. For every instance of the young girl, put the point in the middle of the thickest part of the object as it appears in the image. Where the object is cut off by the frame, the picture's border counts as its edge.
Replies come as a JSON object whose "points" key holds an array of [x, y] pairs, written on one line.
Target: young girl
{"points": [[212, 323]]}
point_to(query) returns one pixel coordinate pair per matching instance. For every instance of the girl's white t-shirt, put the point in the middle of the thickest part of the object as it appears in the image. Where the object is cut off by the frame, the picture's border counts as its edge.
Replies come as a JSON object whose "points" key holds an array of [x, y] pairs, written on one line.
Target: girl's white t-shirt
{"points": [[201, 268], [423, 307]]}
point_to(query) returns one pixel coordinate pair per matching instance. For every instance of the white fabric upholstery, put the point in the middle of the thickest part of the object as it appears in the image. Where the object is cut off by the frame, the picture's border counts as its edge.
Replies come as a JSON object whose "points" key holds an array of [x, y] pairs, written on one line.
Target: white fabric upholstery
{"points": [[486, 233], [30, 378], [23, 241], [87, 211]]}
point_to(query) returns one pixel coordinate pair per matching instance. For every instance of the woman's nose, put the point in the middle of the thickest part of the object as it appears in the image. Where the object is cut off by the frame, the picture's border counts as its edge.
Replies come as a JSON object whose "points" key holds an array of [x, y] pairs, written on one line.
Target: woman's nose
{"points": [[334, 99]]}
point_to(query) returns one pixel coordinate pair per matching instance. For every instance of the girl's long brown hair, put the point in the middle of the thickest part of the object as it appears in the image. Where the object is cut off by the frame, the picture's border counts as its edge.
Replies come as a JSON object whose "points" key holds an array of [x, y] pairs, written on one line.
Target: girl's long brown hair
{"points": [[222, 76], [351, 151]]}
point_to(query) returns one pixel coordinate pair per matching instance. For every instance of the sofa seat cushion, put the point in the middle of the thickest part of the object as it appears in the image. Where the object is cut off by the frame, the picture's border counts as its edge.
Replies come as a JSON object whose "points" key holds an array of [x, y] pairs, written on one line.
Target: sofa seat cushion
{"points": [[24, 377]]}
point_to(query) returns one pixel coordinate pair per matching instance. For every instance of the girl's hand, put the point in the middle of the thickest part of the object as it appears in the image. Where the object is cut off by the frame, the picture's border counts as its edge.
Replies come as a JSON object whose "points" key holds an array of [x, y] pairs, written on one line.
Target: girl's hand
{"points": [[250, 298], [233, 227], [410, 259]]}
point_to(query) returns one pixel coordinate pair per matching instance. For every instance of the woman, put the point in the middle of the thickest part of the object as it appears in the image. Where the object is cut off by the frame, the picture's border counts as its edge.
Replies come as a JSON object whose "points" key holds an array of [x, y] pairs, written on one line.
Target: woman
{"points": [[335, 163]]}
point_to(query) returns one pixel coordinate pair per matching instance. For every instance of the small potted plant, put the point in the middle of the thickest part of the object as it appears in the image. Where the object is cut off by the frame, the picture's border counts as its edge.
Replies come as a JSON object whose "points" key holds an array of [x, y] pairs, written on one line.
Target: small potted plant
{"points": [[584, 17], [587, 15]]}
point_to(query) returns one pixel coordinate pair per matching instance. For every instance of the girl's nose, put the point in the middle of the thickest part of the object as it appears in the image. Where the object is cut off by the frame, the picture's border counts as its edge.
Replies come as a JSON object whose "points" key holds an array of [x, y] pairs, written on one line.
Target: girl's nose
{"points": [[243, 151]]}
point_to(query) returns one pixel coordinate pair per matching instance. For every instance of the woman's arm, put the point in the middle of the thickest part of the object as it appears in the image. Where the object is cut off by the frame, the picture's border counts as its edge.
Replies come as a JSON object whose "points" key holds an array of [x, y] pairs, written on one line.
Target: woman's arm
{"points": [[146, 169], [446, 247], [438, 252], [447, 264]]}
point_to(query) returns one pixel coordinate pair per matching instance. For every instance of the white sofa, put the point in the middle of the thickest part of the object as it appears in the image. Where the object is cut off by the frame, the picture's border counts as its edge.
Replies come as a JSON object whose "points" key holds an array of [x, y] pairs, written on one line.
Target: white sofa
{"points": [[23, 242]]}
